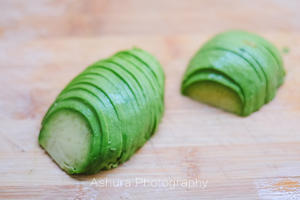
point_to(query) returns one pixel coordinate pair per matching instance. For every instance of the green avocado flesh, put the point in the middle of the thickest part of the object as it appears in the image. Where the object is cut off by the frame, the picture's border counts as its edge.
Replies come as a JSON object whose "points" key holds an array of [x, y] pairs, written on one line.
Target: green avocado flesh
{"points": [[215, 94], [248, 61], [105, 114], [67, 138]]}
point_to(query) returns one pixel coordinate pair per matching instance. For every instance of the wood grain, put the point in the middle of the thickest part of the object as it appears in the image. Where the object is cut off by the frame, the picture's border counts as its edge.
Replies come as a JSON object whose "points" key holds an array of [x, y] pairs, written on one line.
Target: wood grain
{"points": [[43, 44]]}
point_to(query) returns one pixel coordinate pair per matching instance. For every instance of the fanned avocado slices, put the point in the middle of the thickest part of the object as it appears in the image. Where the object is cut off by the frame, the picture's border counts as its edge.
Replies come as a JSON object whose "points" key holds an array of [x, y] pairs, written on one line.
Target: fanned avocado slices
{"points": [[105, 113], [236, 71]]}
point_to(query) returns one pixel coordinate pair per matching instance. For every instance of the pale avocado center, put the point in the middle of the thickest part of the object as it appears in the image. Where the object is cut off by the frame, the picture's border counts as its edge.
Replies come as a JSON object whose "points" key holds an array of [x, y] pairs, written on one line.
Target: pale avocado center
{"points": [[215, 94], [66, 137]]}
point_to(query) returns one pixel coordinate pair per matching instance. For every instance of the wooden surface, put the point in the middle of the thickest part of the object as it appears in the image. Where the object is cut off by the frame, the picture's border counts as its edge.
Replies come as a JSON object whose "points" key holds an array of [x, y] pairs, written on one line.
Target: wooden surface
{"points": [[43, 44]]}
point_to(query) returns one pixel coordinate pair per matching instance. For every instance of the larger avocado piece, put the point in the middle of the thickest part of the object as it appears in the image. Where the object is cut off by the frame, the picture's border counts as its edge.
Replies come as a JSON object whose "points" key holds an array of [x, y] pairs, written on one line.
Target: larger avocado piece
{"points": [[105, 114], [236, 71]]}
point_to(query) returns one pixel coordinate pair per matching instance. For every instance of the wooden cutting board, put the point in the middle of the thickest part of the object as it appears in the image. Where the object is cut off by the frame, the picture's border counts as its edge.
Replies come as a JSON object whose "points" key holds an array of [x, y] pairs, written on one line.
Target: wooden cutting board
{"points": [[199, 152]]}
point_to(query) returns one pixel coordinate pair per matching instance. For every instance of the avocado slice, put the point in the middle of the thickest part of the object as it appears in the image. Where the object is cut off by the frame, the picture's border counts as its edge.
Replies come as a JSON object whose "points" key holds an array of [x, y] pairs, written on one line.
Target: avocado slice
{"points": [[121, 96], [109, 152], [148, 77], [245, 45], [131, 90], [104, 114], [267, 45], [215, 89], [137, 77], [57, 139], [216, 95], [148, 60], [232, 66], [254, 40], [236, 71]]}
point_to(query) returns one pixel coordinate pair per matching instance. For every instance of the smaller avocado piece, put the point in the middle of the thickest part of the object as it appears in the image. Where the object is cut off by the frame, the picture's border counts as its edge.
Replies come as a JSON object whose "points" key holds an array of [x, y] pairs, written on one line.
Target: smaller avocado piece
{"points": [[232, 66], [252, 68]]}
